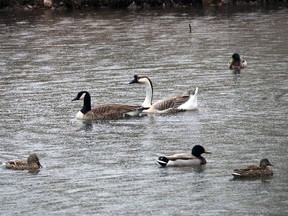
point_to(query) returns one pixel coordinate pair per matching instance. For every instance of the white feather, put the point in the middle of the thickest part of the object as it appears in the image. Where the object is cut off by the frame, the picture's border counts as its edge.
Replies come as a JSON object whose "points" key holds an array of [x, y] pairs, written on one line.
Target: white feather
{"points": [[192, 103], [180, 162]]}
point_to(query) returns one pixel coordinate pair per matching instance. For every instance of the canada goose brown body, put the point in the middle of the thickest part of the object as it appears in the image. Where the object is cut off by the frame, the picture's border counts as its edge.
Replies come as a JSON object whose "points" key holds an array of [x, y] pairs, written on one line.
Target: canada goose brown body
{"points": [[104, 112], [183, 102], [32, 163]]}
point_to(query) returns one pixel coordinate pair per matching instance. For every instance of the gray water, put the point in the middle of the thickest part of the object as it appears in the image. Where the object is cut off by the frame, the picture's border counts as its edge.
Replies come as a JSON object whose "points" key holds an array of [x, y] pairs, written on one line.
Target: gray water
{"points": [[109, 167]]}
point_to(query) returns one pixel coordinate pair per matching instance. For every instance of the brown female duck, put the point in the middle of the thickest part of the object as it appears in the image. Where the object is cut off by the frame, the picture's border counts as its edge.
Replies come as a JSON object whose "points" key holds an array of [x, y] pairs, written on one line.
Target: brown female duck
{"points": [[32, 163], [254, 171]]}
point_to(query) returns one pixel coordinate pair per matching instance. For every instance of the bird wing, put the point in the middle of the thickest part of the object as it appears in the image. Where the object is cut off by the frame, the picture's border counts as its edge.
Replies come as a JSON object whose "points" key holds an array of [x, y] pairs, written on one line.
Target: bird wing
{"points": [[251, 171], [16, 164], [111, 111], [171, 102], [183, 156]]}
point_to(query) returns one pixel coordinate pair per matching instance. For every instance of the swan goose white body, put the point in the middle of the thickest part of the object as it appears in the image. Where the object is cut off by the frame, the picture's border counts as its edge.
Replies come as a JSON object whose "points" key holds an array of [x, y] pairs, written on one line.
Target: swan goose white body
{"points": [[184, 102]]}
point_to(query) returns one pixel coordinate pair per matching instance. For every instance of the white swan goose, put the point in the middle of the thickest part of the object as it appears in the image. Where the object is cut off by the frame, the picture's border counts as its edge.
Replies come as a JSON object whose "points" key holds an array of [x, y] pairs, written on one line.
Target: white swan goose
{"points": [[184, 102], [104, 112]]}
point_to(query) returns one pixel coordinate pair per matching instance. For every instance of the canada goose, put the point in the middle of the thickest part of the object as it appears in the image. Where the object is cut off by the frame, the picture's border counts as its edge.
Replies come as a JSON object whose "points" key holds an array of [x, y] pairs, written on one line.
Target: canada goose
{"points": [[107, 111], [237, 63], [32, 163], [185, 159], [253, 171], [184, 102]]}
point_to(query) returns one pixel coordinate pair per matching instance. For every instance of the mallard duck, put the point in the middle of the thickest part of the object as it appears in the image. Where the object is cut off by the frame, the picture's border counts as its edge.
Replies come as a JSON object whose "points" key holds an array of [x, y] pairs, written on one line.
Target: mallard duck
{"points": [[32, 163], [107, 111], [184, 102], [237, 63], [254, 171], [185, 159]]}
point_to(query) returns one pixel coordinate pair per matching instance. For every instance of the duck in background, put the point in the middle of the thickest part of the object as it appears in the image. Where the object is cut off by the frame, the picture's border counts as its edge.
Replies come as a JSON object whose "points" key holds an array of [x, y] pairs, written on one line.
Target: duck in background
{"points": [[185, 159], [254, 171], [237, 63], [32, 163], [104, 112], [186, 101]]}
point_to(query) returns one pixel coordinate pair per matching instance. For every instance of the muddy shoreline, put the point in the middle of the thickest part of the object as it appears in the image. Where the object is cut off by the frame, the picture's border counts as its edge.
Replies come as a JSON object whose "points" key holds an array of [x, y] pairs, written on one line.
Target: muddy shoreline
{"points": [[124, 4]]}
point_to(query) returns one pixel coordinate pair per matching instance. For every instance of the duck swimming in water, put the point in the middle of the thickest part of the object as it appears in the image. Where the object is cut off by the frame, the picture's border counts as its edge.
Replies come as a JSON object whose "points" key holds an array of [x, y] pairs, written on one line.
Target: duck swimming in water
{"points": [[185, 159], [253, 171], [32, 163], [237, 63]]}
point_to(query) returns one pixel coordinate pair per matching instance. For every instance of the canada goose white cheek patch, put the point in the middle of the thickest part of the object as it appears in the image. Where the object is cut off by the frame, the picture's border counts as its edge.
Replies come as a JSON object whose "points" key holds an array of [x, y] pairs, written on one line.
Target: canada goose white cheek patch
{"points": [[82, 96]]}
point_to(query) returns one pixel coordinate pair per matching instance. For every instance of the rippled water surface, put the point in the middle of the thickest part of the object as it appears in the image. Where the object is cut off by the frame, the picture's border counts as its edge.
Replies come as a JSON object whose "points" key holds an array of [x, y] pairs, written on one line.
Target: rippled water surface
{"points": [[109, 167]]}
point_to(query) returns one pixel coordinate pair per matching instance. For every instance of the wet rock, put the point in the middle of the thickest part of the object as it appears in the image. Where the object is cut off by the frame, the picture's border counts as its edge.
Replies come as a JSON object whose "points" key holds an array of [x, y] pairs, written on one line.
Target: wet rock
{"points": [[48, 3]]}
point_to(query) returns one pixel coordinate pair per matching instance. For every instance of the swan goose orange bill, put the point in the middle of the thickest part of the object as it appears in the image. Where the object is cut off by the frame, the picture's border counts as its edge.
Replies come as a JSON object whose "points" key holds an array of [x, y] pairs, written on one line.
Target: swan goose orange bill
{"points": [[237, 63], [253, 171], [32, 163], [104, 112], [185, 159], [184, 102]]}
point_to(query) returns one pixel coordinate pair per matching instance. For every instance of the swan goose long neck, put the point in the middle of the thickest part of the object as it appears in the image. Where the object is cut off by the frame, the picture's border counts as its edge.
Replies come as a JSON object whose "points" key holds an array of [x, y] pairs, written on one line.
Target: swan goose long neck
{"points": [[147, 103]]}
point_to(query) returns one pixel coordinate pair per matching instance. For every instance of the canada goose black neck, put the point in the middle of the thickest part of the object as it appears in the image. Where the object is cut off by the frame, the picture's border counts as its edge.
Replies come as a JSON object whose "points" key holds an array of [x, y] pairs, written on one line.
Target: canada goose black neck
{"points": [[87, 103], [85, 96]]}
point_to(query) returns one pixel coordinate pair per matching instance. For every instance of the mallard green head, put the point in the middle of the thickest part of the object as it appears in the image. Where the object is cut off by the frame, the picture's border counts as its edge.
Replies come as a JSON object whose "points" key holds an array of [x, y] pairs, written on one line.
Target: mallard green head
{"points": [[197, 150], [236, 57]]}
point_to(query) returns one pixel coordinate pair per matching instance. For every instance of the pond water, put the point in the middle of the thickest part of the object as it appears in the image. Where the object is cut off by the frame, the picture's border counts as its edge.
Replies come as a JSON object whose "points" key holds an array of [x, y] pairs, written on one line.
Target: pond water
{"points": [[109, 167]]}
